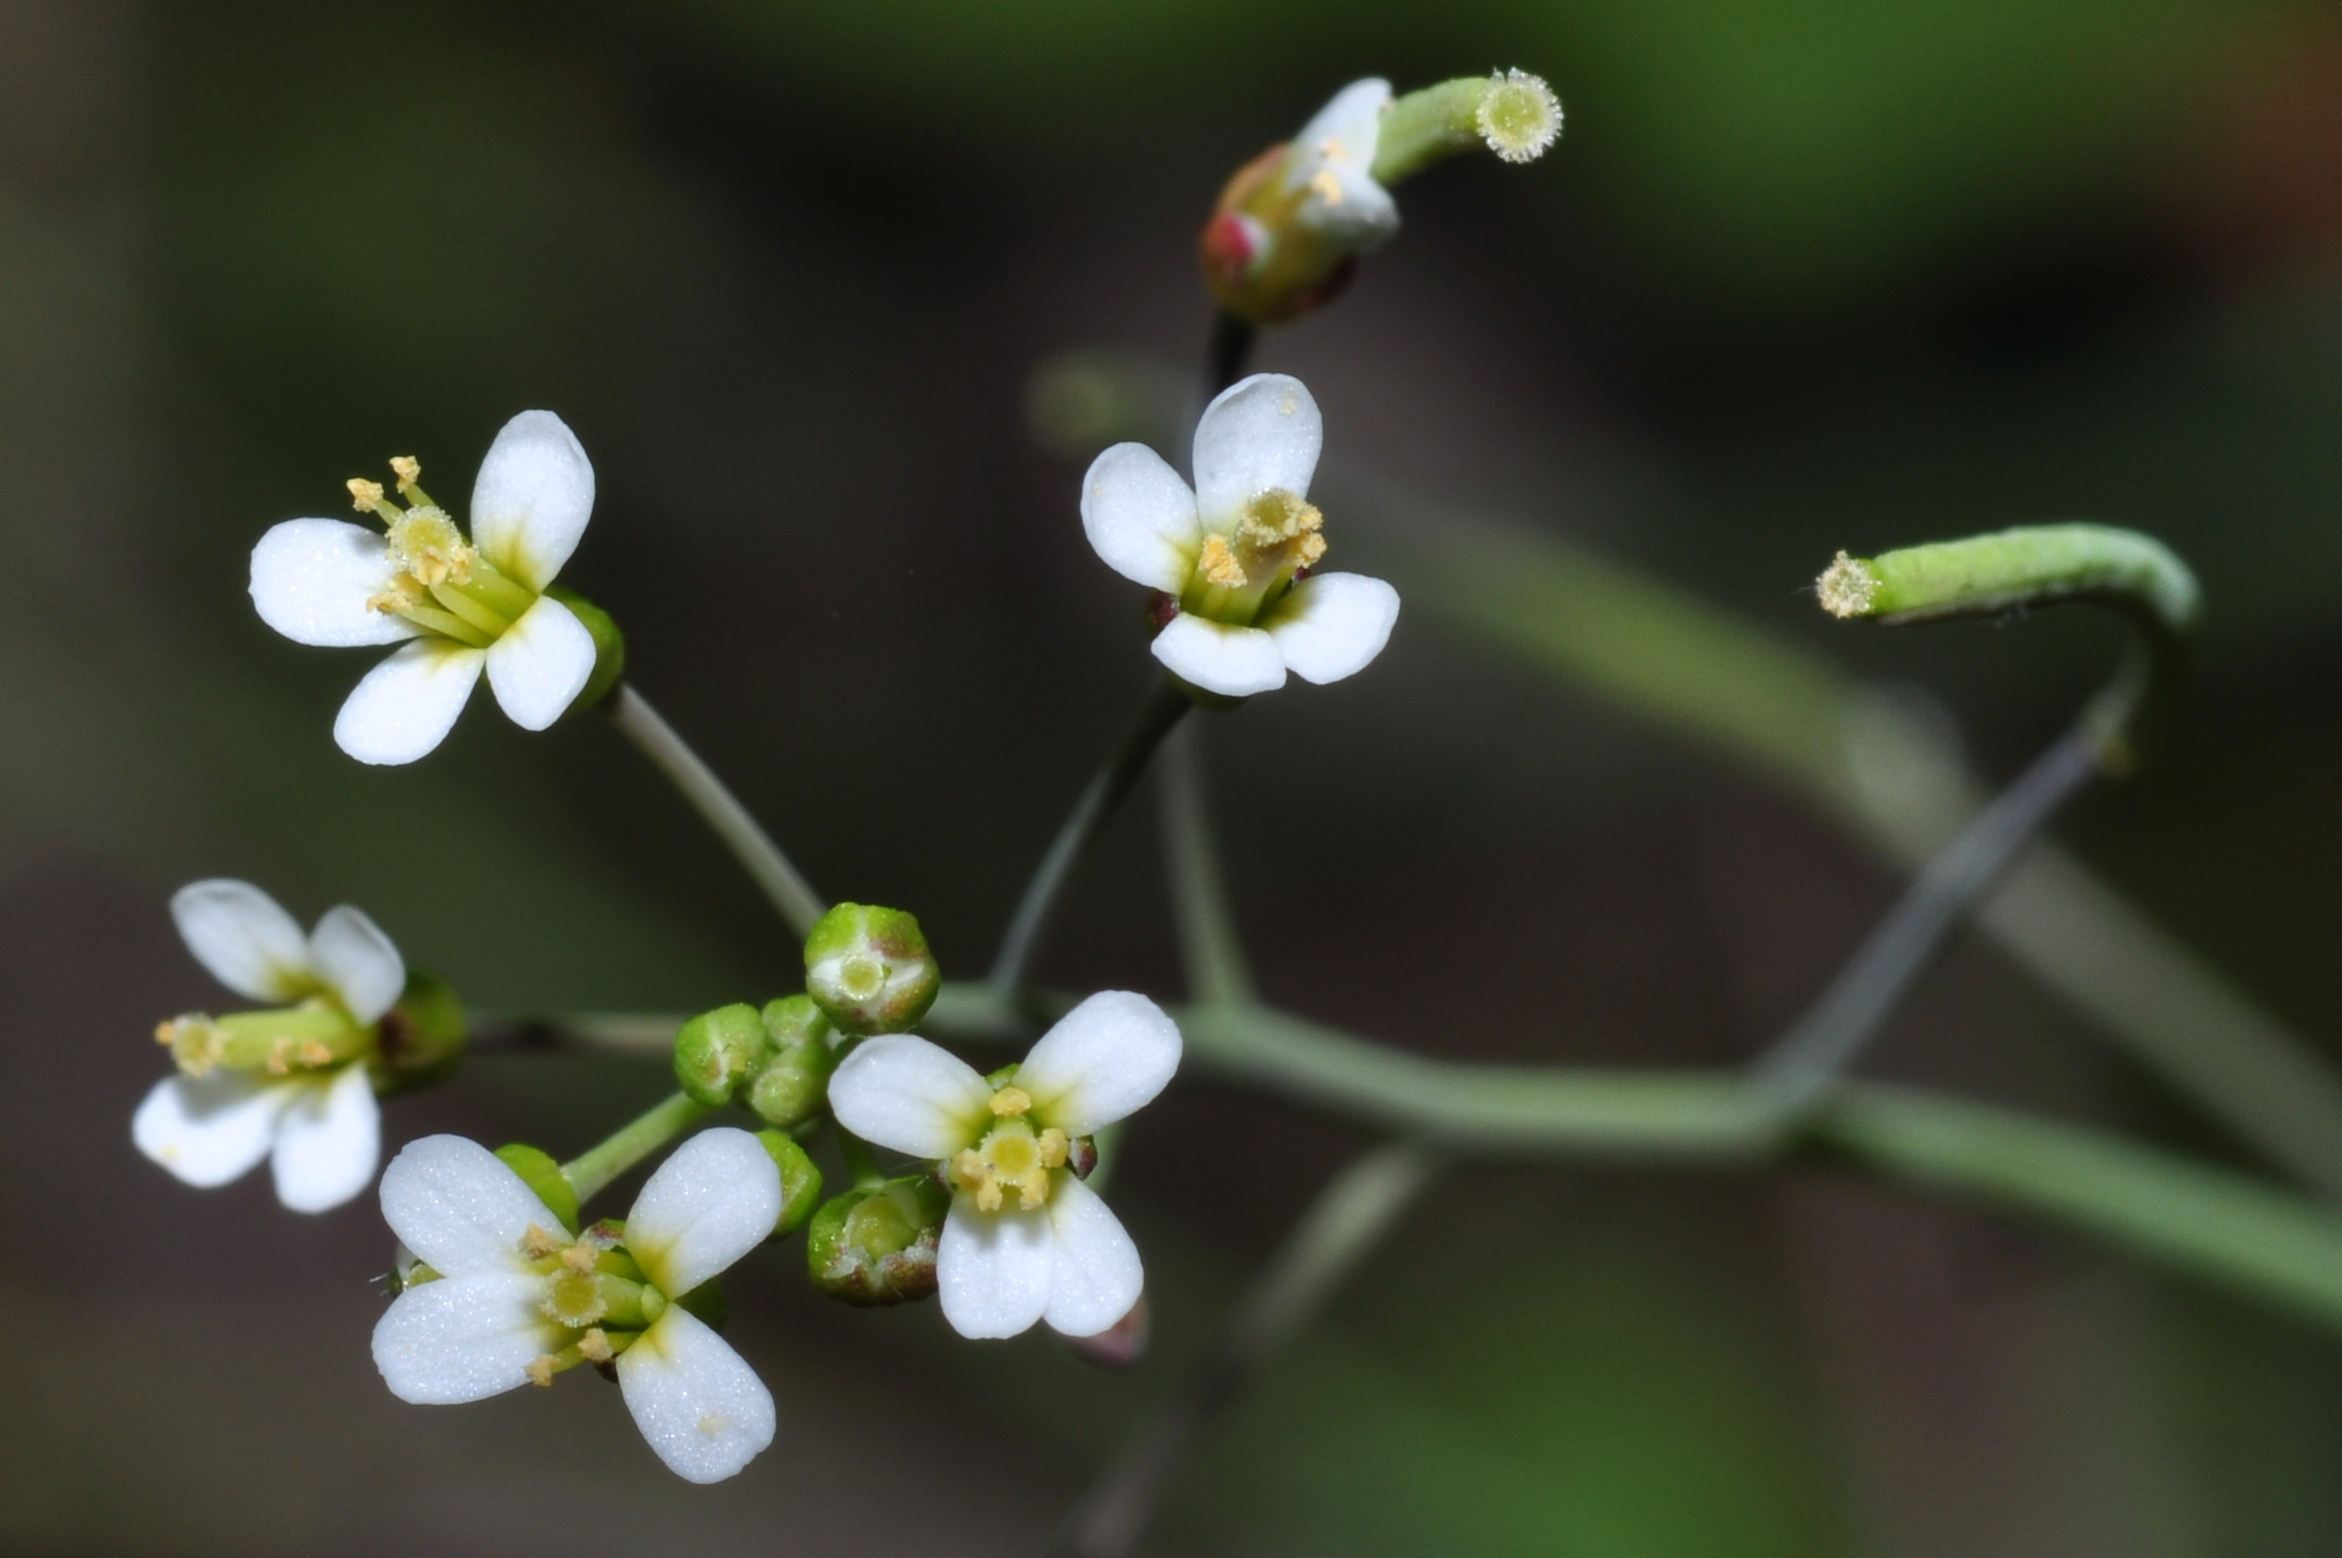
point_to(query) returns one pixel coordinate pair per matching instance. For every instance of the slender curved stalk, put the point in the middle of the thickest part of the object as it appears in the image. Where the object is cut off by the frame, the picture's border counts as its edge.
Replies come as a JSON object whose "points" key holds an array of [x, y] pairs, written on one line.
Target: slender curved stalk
{"points": [[1208, 943], [632, 1142], [1800, 1068], [1342, 1226], [754, 848], [1164, 705]]}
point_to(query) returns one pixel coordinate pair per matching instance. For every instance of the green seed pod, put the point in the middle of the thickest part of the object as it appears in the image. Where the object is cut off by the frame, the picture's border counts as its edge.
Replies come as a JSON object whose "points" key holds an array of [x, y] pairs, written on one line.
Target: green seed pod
{"points": [[870, 970], [873, 1247], [420, 1040], [540, 1173], [718, 1052], [800, 1181], [793, 1083]]}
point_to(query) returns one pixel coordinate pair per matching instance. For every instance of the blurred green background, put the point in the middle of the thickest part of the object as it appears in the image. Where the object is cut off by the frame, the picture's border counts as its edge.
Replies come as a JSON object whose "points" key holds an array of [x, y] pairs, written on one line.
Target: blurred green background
{"points": [[1802, 275]]}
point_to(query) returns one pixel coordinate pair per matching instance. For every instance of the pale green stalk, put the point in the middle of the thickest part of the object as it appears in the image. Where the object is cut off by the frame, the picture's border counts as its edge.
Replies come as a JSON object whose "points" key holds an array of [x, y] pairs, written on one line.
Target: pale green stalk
{"points": [[632, 1142], [754, 848], [1349, 1218], [1208, 944]]}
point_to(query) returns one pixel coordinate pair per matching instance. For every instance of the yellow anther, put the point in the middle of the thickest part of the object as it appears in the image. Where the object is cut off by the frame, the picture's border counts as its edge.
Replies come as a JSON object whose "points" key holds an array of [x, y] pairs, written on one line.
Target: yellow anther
{"points": [[1309, 549], [1217, 563], [594, 1346], [538, 1243], [579, 1258], [280, 1056], [1011, 1101], [1328, 187], [165, 1030], [1053, 1145], [409, 471], [1010, 1157], [427, 547], [365, 495], [1332, 149], [541, 1369], [314, 1053]]}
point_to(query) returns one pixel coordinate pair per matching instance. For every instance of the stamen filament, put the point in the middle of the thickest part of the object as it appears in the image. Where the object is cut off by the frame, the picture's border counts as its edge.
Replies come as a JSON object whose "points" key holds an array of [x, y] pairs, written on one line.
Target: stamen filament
{"points": [[459, 600], [447, 625]]}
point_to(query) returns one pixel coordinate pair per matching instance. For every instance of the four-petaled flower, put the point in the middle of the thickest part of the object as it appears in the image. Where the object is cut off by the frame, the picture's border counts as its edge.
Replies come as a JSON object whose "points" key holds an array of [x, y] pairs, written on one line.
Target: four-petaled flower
{"points": [[293, 1081], [1230, 555], [1025, 1240], [468, 606], [516, 1299]]}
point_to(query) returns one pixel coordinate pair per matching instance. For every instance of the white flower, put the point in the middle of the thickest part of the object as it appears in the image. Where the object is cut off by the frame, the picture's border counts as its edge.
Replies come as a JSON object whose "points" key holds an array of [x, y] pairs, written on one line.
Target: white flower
{"points": [[1332, 159], [516, 1299], [290, 1083], [1228, 550], [1026, 1240], [466, 606]]}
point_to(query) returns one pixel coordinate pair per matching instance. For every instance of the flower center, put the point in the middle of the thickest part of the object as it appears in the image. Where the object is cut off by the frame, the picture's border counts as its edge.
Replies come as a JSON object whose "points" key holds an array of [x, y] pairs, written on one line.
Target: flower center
{"points": [[309, 1037], [440, 582], [1240, 571], [861, 976], [593, 1291], [1011, 1156]]}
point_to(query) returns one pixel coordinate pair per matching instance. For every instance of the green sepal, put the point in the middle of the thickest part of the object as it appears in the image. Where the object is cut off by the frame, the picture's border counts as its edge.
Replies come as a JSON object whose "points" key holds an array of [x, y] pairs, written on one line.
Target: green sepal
{"points": [[609, 646], [792, 1085], [875, 1247], [707, 1303], [540, 1173], [421, 1039], [718, 1052], [800, 1180]]}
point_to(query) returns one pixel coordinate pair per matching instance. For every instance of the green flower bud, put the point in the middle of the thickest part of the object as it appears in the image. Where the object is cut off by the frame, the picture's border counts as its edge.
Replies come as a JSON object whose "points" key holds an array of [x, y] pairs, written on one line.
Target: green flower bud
{"points": [[873, 1247], [540, 1173], [793, 1083], [870, 970], [420, 1040], [716, 1053], [609, 646], [800, 1181]]}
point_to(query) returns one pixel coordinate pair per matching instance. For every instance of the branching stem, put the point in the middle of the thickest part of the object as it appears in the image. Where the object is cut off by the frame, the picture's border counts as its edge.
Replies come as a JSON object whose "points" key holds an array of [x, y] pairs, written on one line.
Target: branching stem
{"points": [[632, 1142]]}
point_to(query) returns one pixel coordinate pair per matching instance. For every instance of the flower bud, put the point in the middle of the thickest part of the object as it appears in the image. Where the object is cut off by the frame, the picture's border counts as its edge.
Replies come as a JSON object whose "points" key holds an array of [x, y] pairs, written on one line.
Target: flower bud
{"points": [[420, 1040], [540, 1173], [872, 1247], [800, 1180], [793, 1083], [870, 970], [717, 1053], [609, 646]]}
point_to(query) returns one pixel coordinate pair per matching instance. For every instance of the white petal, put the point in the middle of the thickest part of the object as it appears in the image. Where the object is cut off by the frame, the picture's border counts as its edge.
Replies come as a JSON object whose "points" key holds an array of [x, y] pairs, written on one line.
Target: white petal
{"points": [[408, 703], [541, 664], [458, 1207], [534, 495], [1105, 1058], [1333, 625], [715, 1200], [328, 1142], [902, 1092], [464, 1338], [702, 1408], [357, 962], [1233, 662], [1357, 213], [1348, 129], [992, 1268], [1140, 517], [245, 938], [1094, 1271], [312, 578], [1260, 434], [209, 1130]]}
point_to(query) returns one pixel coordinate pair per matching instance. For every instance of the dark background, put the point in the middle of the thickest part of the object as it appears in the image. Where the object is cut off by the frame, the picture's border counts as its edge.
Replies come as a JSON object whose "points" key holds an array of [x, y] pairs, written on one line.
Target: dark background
{"points": [[1801, 275]]}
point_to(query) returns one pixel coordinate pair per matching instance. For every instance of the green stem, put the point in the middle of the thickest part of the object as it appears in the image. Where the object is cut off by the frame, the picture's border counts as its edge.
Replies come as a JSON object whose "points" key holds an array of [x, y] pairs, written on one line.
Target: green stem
{"points": [[772, 871], [632, 1142], [1428, 125], [1164, 705], [1341, 1228], [1823, 1044], [1208, 943]]}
